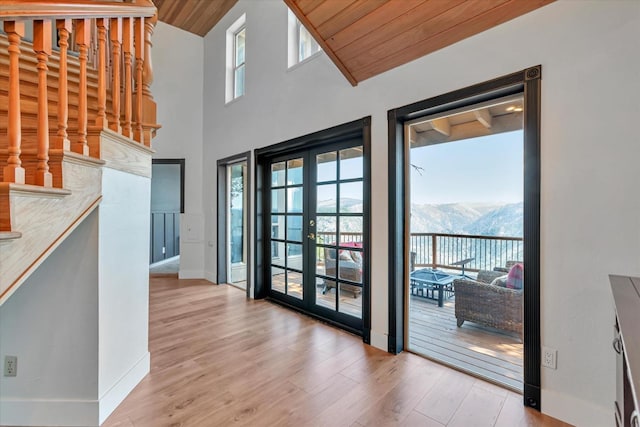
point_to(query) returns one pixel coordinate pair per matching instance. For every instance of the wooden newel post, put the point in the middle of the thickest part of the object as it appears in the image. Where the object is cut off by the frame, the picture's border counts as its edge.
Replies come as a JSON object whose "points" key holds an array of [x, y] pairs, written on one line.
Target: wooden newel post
{"points": [[127, 48], [42, 48], [139, 45], [115, 35], [83, 38], [14, 172], [148, 104], [62, 138], [101, 120]]}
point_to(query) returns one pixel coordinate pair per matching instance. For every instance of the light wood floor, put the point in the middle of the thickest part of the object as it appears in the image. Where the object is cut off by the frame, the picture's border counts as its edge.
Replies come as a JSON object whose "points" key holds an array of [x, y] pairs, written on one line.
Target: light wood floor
{"points": [[487, 352], [218, 359]]}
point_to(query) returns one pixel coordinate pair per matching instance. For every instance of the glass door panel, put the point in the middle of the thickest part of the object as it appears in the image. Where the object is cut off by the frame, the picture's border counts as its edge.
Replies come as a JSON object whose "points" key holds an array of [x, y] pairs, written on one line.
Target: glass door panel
{"points": [[337, 211], [236, 224], [317, 232], [287, 245]]}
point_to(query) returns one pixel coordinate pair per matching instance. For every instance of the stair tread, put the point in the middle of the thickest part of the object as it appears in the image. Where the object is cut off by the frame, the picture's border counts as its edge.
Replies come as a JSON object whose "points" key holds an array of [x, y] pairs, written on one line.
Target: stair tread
{"points": [[9, 235], [28, 189]]}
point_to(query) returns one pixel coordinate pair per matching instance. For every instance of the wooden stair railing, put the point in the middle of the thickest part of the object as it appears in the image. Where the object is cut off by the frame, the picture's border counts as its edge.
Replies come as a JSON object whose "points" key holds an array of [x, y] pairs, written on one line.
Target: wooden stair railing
{"points": [[61, 103]]}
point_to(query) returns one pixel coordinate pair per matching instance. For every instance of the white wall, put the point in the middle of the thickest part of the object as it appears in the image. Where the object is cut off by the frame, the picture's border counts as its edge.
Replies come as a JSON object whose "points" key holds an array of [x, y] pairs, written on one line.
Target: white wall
{"points": [[589, 52], [51, 325], [178, 66], [124, 286]]}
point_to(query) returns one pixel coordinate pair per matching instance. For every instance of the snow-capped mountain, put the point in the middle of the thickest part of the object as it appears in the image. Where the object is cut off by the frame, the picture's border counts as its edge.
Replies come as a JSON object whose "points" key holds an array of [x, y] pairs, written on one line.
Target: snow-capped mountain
{"points": [[461, 218]]}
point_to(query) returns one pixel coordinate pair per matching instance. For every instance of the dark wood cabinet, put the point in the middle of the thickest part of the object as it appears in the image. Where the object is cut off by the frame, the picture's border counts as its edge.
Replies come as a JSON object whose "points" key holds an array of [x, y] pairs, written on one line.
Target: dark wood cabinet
{"points": [[626, 344]]}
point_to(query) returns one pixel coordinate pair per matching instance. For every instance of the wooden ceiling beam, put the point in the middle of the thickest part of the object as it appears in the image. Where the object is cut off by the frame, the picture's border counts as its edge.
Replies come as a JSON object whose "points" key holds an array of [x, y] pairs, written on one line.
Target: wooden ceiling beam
{"points": [[323, 44], [484, 116], [442, 126]]}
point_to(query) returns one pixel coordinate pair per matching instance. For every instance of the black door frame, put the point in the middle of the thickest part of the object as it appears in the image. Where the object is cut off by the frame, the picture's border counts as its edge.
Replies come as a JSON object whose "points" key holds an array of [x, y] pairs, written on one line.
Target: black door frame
{"points": [[180, 162], [356, 129], [527, 83], [221, 223]]}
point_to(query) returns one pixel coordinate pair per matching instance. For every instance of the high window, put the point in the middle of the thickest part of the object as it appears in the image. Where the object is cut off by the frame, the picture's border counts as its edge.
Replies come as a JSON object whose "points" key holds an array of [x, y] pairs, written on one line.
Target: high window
{"points": [[236, 55], [238, 62], [301, 44]]}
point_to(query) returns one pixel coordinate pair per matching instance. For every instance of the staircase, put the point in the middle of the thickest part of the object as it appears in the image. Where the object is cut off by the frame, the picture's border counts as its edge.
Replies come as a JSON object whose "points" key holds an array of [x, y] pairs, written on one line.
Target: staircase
{"points": [[75, 98]]}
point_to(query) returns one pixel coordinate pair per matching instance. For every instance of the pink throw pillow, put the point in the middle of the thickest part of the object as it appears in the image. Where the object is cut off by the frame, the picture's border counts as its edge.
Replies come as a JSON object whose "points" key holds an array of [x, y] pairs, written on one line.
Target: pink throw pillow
{"points": [[515, 278]]}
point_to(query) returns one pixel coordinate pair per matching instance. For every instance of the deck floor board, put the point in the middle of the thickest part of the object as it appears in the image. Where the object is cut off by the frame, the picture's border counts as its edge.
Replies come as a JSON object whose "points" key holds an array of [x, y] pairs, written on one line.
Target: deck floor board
{"points": [[487, 352]]}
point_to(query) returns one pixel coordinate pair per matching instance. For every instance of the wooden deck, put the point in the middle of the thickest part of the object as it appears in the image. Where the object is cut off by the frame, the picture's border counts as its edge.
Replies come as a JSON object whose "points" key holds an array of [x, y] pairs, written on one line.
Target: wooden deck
{"points": [[486, 352]]}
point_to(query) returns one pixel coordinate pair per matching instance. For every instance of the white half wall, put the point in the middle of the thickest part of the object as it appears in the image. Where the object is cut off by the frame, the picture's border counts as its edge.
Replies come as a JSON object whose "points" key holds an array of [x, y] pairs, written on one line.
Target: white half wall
{"points": [[590, 228], [178, 65], [51, 324], [124, 286]]}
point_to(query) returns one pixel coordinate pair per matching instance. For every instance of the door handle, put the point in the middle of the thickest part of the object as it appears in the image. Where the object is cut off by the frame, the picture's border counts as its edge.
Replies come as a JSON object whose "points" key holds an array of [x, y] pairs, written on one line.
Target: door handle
{"points": [[312, 223], [617, 345], [311, 236]]}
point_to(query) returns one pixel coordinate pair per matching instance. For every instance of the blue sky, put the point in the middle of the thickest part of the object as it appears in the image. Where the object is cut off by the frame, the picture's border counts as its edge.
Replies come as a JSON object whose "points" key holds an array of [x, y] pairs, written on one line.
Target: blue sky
{"points": [[487, 169]]}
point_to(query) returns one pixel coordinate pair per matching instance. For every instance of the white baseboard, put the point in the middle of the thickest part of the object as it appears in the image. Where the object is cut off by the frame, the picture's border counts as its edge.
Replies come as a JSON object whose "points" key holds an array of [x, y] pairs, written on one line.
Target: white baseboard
{"points": [[379, 340], [164, 261], [210, 276], [110, 400], [191, 274], [40, 412], [574, 411]]}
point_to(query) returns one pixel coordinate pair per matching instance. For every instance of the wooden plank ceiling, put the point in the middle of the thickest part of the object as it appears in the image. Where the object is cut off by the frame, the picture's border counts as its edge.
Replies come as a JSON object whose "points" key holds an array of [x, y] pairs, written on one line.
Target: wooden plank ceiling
{"points": [[195, 16], [367, 37]]}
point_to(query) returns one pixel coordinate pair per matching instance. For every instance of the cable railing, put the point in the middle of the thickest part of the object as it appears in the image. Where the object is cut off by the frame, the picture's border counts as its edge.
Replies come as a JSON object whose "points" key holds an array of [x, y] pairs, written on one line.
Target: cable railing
{"points": [[442, 250]]}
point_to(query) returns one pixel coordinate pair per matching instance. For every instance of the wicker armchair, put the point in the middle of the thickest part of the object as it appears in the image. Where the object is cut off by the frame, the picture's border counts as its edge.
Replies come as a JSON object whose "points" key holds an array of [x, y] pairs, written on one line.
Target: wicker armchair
{"points": [[507, 266], [491, 305], [349, 270]]}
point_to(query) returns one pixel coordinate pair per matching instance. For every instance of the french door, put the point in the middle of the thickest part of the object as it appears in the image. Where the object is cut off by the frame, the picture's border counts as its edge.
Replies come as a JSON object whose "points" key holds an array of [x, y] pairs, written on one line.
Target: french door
{"points": [[316, 231]]}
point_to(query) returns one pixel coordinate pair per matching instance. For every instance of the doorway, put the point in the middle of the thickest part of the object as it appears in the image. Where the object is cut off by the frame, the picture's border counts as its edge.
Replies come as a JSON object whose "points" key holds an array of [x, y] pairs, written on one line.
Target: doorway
{"points": [[236, 213], [314, 216], [167, 203], [526, 85], [233, 225], [466, 239]]}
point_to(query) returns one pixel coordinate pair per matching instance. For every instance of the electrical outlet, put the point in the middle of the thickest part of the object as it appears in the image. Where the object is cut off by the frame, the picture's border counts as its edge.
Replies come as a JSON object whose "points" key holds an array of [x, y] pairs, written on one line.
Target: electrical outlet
{"points": [[549, 356], [10, 366]]}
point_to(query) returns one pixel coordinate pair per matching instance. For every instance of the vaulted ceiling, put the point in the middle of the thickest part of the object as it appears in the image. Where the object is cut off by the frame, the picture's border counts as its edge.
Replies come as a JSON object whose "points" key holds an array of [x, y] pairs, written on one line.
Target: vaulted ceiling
{"points": [[195, 16], [367, 37]]}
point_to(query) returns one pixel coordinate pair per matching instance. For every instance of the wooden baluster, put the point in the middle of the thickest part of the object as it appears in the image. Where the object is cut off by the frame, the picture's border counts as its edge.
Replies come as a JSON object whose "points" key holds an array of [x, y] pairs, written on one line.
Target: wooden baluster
{"points": [[83, 38], [149, 105], [127, 48], [42, 49], [101, 120], [115, 36], [139, 44], [62, 139], [14, 172]]}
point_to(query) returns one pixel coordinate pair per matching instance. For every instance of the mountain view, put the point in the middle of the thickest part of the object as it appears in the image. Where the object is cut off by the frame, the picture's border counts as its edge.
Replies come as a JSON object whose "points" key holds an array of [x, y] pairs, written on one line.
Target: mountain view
{"points": [[468, 218], [452, 218]]}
